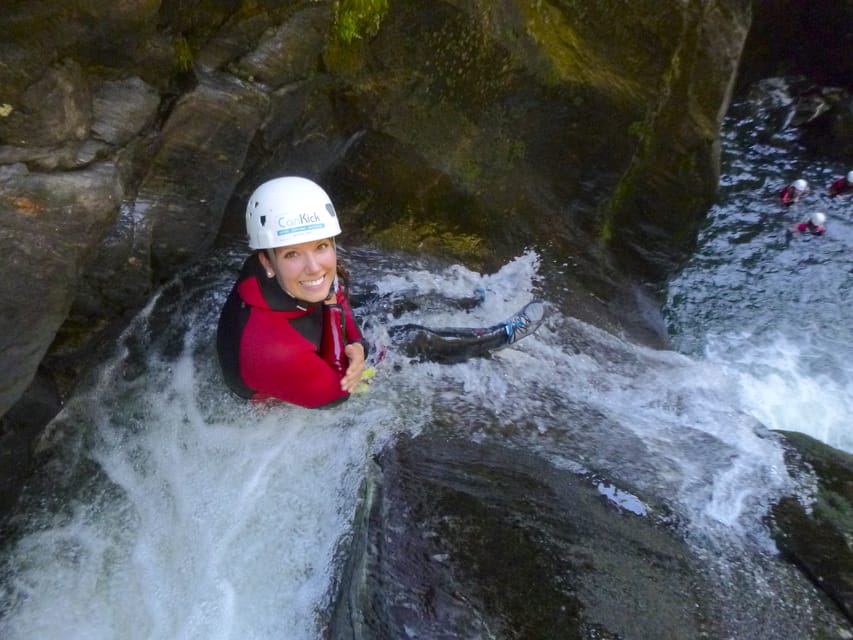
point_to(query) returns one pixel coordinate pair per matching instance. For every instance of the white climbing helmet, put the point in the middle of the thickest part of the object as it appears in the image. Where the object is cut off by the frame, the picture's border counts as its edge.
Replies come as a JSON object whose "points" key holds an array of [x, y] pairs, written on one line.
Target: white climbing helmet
{"points": [[800, 185], [850, 177], [287, 211], [818, 218]]}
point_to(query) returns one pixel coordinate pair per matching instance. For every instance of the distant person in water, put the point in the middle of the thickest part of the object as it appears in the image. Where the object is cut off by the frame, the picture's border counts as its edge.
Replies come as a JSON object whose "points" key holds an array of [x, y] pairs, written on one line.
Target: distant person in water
{"points": [[842, 186], [792, 192], [814, 225], [287, 330]]}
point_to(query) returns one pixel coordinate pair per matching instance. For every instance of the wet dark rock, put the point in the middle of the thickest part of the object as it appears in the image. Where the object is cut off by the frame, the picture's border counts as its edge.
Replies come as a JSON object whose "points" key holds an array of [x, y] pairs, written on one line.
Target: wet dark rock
{"points": [[51, 225], [822, 116], [19, 429], [123, 108], [817, 535], [187, 185], [657, 206], [828, 124], [507, 546]]}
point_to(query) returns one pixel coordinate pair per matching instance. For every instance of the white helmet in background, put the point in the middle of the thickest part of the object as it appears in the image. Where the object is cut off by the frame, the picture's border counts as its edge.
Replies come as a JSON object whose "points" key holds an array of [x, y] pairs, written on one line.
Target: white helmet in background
{"points": [[850, 177], [287, 211], [818, 219], [800, 185]]}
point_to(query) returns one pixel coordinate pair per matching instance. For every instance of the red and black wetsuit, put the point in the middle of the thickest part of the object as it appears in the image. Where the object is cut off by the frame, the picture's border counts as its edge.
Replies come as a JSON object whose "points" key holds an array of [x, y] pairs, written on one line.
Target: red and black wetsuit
{"points": [[790, 195], [812, 228], [840, 187], [271, 345]]}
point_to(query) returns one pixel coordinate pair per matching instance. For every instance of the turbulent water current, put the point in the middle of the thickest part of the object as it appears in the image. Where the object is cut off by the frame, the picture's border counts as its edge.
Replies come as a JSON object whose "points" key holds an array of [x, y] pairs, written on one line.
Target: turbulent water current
{"points": [[774, 311], [170, 509]]}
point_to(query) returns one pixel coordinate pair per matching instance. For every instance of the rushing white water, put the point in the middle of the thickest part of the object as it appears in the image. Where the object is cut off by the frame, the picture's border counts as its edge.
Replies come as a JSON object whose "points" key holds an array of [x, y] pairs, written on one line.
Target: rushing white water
{"points": [[190, 514], [213, 519], [793, 386]]}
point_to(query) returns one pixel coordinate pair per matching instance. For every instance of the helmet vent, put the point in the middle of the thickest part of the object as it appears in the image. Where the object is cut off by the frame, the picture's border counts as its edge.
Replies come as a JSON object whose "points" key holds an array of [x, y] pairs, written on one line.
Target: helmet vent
{"points": [[263, 221]]}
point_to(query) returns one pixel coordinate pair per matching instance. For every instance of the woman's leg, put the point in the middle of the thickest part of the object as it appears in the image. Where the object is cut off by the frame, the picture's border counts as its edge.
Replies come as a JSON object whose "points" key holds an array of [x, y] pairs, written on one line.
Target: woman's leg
{"points": [[458, 344]]}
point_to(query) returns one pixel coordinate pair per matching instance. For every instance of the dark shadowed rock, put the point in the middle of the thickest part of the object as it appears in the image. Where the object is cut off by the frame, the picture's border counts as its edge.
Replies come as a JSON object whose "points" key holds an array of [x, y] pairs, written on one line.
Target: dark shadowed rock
{"points": [[19, 429], [192, 175], [657, 207], [51, 224], [810, 39], [122, 108], [457, 539], [289, 51]]}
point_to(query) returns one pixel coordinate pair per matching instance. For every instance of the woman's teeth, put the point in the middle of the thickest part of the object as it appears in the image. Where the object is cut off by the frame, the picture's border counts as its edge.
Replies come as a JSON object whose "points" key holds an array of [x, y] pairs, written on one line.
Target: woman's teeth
{"points": [[312, 283]]}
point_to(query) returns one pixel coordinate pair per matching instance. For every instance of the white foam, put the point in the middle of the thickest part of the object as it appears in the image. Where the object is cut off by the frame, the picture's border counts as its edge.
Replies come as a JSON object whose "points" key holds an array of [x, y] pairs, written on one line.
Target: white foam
{"points": [[793, 385]]}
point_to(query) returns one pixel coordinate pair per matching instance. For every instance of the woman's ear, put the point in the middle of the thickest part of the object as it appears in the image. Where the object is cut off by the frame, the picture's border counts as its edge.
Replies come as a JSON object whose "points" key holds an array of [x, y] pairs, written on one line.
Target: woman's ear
{"points": [[266, 264]]}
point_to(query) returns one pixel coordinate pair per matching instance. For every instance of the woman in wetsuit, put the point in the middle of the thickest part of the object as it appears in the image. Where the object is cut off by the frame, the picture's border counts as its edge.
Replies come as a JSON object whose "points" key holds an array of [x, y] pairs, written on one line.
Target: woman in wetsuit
{"points": [[286, 330]]}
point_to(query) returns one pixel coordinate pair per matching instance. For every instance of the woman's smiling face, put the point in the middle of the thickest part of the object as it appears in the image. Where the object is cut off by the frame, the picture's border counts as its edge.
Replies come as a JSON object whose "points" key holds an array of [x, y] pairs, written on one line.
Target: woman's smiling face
{"points": [[306, 270]]}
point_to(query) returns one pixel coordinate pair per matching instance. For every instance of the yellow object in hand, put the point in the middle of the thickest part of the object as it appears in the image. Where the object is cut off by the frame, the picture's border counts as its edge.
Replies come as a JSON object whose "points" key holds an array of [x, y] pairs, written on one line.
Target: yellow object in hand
{"points": [[366, 377]]}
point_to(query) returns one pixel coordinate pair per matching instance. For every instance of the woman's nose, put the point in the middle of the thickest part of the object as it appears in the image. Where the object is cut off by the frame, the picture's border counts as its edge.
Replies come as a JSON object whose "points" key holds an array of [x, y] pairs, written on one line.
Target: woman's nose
{"points": [[311, 263]]}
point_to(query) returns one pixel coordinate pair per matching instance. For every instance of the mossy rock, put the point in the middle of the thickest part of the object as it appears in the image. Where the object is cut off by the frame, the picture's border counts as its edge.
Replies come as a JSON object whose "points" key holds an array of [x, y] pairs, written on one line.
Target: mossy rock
{"points": [[818, 538]]}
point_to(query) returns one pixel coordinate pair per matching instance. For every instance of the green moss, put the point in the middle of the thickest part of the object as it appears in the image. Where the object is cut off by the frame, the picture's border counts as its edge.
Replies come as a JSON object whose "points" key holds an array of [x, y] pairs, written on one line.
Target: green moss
{"points": [[516, 150], [183, 54], [357, 19], [835, 478], [470, 171], [617, 201], [605, 233], [571, 59], [432, 238], [639, 130], [353, 22]]}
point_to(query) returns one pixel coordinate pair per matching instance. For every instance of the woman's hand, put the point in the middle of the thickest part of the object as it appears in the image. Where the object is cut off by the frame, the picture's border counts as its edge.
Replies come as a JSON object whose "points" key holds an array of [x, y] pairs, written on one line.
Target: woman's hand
{"points": [[355, 355]]}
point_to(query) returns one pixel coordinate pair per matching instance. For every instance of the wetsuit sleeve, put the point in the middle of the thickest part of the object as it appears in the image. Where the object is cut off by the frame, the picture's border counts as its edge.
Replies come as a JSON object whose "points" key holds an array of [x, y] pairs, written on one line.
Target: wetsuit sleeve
{"points": [[287, 367]]}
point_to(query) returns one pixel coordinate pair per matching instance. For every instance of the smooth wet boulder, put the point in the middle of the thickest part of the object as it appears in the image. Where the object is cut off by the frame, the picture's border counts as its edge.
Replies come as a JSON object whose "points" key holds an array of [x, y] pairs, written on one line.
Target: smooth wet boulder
{"points": [[583, 126], [459, 539]]}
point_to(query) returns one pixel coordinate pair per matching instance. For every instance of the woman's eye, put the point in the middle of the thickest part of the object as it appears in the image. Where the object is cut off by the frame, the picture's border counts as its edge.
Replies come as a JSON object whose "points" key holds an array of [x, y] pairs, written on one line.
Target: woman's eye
{"points": [[289, 255]]}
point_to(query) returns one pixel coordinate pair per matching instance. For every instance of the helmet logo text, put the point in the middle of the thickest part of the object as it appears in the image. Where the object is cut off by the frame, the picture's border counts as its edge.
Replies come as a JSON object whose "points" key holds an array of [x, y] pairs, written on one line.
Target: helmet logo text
{"points": [[298, 224]]}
